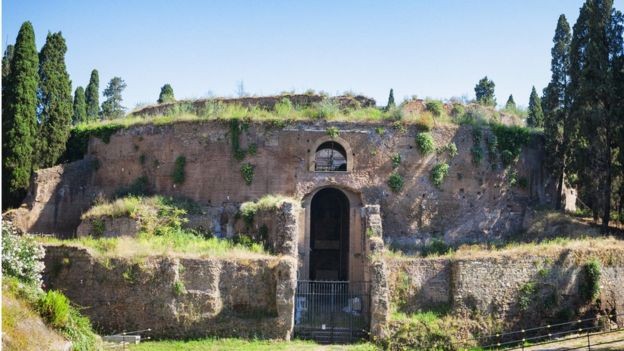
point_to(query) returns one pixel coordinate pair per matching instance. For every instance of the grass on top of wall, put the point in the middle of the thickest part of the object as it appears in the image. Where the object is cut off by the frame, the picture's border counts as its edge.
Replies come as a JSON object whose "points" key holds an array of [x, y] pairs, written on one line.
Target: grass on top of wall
{"points": [[604, 247], [173, 242], [230, 344]]}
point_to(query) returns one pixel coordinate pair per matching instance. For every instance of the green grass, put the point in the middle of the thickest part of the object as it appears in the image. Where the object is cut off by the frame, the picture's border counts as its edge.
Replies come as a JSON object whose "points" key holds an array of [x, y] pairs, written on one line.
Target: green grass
{"points": [[173, 241], [248, 345]]}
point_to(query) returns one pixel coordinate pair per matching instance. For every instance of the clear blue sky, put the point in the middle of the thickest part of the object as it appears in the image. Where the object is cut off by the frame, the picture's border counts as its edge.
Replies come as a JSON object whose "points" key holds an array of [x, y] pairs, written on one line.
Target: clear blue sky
{"points": [[429, 48]]}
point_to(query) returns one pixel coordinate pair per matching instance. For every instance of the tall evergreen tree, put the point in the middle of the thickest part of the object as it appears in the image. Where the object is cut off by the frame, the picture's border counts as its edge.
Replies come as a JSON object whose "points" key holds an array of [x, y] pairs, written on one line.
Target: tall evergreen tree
{"points": [[511, 104], [19, 122], [166, 94], [535, 116], [595, 49], [391, 104], [111, 107], [55, 100], [555, 105], [92, 96], [484, 90], [80, 106], [6, 69]]}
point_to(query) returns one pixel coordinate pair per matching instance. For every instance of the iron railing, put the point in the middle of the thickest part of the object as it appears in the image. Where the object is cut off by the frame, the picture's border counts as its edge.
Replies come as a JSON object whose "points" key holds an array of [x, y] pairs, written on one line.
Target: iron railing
{"points": [[332, 311], [551, 333]]}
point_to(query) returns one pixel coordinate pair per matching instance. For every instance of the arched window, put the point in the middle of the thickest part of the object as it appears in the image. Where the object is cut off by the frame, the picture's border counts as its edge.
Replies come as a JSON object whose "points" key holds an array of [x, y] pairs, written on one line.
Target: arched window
{"points": [[330, 157]]}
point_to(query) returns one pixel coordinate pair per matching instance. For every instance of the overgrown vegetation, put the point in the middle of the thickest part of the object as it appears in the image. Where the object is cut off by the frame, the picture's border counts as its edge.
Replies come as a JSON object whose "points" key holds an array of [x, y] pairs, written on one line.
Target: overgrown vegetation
{"points": [[438, 173], [395, 182], [22, 268], [420, 331], [590, 287], [396, 160], [247, 172], [425, 143], [225, 344]]}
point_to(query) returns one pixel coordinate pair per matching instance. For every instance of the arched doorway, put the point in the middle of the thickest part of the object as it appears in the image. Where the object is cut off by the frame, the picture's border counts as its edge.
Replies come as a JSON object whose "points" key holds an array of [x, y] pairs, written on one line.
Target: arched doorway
{"points": [[329, 236]]}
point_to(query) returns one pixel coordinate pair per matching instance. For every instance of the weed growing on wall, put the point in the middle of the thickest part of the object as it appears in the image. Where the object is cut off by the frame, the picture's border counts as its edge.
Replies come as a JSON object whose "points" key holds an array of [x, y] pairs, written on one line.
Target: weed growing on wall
{"points": [[526, 295], [438, 173], [178, 288], [247, 172], [333, 132], [178, 174], [98, 227], [395, 182], [396, 160], [137, 188], [425, 143], [510, 140], [451, 148], [590, 286]]}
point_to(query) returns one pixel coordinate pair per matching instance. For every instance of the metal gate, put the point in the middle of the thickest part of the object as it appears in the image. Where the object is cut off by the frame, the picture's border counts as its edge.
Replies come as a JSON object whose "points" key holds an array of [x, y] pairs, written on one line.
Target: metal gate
{"points": [[332, 311]]}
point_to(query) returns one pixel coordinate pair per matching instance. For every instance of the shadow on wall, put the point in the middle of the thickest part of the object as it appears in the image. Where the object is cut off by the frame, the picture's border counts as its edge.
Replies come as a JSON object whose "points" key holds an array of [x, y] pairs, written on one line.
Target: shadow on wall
{"points": [[57, 198]]}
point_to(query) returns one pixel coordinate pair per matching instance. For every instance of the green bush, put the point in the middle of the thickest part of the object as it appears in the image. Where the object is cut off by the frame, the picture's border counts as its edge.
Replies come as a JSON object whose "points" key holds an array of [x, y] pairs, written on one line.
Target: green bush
{"points": [[22, 256], [477, 154], [395, 182], [178, 288], [451, 148], [435, 247], [438, 173], [458, 110], [396, 160], [247, 172], [526, 295], [435, 107], [425, 143], [510, 141], [333, 132], [284, 107], [98, 227], [421, 331], [393, 114], [178, 174], [590, 287], [54, 308]]}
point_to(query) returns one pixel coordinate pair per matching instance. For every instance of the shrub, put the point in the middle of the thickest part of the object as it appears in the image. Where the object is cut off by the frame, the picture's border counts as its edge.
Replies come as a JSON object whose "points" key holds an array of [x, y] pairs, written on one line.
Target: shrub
{"points": [[526, 295], [438, 173], [425, 143], [458, 110], [178, 288], [425, 121], [395, 182], [284, 107], [510, 141], [435, 247], [326, 109], [590, 288], [380, 131], [22, 256], [54, 308], [178, 170], [333, 132], [451, 148], [247, 172], [435, 107], [421, 331], [396, 160], [394, 114], [98, 227]]}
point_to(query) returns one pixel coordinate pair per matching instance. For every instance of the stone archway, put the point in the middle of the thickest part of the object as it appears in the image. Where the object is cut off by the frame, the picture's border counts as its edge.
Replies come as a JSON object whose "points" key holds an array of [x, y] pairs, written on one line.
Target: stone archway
{"points": [[346, 244]]}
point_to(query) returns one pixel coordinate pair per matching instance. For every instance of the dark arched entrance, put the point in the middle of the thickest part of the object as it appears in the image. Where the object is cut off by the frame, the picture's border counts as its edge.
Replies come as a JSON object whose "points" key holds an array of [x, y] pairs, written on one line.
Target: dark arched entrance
{"points": [[329, 235]]}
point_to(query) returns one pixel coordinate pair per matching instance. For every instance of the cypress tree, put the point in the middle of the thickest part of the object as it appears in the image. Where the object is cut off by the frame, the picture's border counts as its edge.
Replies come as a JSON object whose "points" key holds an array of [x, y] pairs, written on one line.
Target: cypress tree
{"points": [[535, 116], [555, 105], [92, 96], [19, 121], [6, 64], [511, 104], [80, 106], [484, 90], [595, 52], [166, 94], [111, 107], [55, 100], [391, 104]]}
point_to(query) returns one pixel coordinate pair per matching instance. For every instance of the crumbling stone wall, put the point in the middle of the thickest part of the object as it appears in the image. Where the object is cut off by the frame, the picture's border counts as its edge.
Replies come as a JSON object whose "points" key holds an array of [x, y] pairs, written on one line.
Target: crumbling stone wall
{"points": [[178, 297], [474, 203], [493, 285]]}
